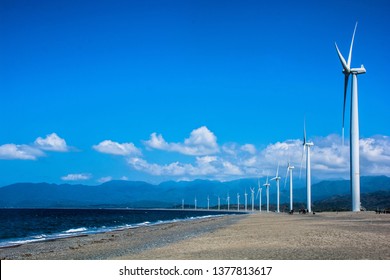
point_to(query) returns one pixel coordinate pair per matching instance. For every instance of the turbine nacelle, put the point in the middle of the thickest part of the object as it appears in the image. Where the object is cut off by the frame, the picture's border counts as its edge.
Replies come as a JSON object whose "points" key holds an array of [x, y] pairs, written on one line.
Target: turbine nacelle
{"points": [[358, 71]]}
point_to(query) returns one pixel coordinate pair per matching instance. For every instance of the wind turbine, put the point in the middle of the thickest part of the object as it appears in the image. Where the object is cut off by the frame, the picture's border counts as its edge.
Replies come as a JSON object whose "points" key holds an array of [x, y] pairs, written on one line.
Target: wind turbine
{"points": [[238, 202], [289, 169], [306, 146], [253, 198], [182, 203], [208, 203], [277, 179], [246, 201], [267, 192], [228, 201], [354, 127], [195, 202], [259, 192], [219, 203]]}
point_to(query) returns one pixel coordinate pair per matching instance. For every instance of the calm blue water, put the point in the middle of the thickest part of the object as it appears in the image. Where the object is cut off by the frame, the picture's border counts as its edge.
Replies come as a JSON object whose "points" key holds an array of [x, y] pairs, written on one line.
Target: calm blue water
{"points": [[18, 226]]}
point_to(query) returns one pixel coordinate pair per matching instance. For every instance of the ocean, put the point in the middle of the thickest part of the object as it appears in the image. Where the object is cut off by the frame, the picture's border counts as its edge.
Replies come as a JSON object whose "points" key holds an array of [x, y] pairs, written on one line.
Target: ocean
{"points": [[19, 226]]}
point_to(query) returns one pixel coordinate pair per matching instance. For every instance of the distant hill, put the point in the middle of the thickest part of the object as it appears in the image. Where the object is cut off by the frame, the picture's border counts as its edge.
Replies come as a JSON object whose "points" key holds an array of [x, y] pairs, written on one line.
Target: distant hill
{"points": [[327, 194], [370, 201]]}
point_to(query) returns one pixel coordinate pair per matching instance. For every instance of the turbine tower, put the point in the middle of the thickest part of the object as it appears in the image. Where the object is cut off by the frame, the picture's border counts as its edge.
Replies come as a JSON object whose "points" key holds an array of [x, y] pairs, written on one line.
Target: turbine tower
{"points": [[208, 203], [219, 203], [238, 202], [182, 204], [306, 146], [277, 179], [267, 192], [289, 169], [354, 127], [228, 201], [246, 201], [253, 198], [259, 192], [195, 202]]}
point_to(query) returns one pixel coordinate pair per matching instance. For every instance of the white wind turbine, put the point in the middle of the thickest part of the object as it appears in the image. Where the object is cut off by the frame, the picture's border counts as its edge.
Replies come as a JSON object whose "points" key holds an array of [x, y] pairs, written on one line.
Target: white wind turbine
{"points": [[289, 169], [253, 198], [182, 203], [259, 192], [246, 201], [306, 146], [208, 203], [228, 202], [195, 202], [266, 185], [354, 127], [277, 179], [219, 203], [238, 202]]}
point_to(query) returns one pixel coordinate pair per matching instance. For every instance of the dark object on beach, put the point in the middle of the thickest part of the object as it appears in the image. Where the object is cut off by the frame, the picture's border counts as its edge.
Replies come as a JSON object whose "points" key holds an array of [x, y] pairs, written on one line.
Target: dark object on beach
{"points": [[303, 211], [291, 212], [384, 211]]}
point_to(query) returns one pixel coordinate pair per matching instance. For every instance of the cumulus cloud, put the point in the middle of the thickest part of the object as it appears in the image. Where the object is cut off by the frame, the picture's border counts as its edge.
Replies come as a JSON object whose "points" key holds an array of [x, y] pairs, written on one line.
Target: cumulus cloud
{"points": [[115, 148], [249, 148], [329, 158], [203, 166], [375, 155], [51, 142], [76, 177], [201, 142], [23, 152]]}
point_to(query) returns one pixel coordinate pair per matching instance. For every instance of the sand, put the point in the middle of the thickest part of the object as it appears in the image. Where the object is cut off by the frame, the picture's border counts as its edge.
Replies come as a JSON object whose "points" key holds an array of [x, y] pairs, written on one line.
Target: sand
{"points": [[334, 236]]}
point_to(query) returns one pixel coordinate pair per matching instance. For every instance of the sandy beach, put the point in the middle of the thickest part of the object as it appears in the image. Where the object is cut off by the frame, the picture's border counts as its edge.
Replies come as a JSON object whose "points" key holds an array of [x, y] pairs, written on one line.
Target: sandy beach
{"points": [[323, 236]]}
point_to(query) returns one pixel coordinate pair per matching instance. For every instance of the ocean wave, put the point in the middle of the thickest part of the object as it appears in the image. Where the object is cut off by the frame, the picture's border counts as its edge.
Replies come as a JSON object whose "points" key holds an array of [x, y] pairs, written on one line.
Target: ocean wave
{"points": [[94, 230], [74, 230]]}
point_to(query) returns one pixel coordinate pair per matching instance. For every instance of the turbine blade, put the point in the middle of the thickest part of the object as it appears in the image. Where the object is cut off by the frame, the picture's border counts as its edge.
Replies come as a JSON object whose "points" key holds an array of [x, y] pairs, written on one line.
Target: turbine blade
{"points": [[342, 60], [345, 99], [285, 178], [350, 49], [300, 169], [345, 94], [304, 131]]}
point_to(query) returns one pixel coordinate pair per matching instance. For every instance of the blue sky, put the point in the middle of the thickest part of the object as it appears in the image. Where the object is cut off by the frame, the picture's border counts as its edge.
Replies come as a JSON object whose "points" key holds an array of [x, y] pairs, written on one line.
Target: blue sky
{"points": [[172, 90]]}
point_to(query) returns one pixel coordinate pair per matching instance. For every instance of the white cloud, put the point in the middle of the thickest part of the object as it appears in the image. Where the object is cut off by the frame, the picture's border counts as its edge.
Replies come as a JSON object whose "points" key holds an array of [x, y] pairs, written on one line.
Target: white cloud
{"points": [[329, 159], [202, 167], [375, 155], [157, 142], [115, 148], [249, 148], [231, 169], [124, 178], [52, 142], [201, 142], [76, 177], [105, 179], [24, 152]]}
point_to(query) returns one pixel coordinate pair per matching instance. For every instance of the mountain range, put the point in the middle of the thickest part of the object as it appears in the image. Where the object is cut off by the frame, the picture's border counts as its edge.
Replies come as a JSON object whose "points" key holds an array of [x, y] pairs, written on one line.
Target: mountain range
{"points": [[332, 194]]}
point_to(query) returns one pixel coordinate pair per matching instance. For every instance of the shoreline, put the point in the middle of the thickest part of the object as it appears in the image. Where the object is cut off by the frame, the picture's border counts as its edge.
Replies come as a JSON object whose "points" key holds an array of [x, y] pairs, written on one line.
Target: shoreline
{"points": [[115, 243], [323, 236]]}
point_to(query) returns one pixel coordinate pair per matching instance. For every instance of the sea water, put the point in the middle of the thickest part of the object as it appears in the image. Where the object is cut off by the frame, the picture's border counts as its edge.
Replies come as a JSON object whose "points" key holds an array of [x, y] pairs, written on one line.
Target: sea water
{"points": [[19, 226]]}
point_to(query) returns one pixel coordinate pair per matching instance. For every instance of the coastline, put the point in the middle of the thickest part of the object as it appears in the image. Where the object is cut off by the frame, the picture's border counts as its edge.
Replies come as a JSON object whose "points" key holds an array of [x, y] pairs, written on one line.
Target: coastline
{"points": [[323, 236], [117, 243]]}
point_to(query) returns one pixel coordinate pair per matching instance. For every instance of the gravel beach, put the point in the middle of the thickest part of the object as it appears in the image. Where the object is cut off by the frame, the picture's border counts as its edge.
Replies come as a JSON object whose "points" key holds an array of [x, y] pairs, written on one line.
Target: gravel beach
{"points": [[323, 236]]}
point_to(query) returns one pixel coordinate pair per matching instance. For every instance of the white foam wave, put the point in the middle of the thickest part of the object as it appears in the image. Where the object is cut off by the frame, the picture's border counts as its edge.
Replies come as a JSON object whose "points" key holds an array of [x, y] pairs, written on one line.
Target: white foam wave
{"points": [[75, 230]]}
